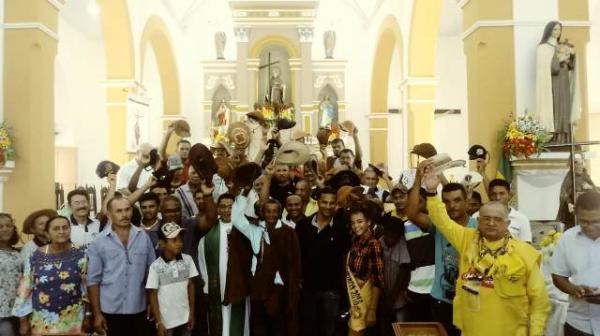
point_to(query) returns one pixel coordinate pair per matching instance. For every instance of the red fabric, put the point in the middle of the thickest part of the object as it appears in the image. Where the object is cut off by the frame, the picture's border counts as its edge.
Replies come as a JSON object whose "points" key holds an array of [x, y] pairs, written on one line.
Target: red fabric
{"points": [[366, 260]]}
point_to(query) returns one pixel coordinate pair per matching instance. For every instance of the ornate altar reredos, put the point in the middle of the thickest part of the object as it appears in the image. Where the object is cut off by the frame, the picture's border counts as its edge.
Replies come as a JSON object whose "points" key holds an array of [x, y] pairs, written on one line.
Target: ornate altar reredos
{"points": [[274, 70]]}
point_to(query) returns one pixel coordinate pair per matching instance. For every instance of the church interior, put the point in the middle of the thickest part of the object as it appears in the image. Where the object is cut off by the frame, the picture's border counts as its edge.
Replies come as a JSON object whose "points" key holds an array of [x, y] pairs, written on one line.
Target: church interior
{"points": [[88, 80]]}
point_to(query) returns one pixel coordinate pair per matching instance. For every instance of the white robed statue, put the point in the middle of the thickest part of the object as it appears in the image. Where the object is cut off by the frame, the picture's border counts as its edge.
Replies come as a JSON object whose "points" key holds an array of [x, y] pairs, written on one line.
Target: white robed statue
{"points": [[557, 86], [328, 114]]}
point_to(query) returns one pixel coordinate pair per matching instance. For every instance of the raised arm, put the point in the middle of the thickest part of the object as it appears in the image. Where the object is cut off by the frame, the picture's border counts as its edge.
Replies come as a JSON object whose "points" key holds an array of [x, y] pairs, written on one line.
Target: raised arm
{"points": [[207, 220], [357, 148], [252, 232], [165, 142], [112, 188], [135, 196], [412, 209]]}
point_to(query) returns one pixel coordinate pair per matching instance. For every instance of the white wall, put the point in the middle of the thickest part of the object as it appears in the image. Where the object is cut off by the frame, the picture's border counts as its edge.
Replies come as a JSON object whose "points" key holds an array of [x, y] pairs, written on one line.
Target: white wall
{"points": [[154, 91], [80, 113]]}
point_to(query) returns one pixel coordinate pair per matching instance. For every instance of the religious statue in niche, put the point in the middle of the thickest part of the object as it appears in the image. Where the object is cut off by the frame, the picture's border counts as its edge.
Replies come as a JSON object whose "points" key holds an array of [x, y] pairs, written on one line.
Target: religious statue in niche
{"points": [[329, 43], [328, 112], [220, 41], [275, 94], [557, 86], [221, 121], [274, 103]]}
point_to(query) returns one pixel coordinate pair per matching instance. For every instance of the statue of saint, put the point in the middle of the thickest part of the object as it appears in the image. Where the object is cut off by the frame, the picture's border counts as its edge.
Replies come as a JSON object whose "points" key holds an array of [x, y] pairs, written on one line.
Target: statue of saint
{"points": [[557, 86], [328, 113], [222, 120], [275, 89]]}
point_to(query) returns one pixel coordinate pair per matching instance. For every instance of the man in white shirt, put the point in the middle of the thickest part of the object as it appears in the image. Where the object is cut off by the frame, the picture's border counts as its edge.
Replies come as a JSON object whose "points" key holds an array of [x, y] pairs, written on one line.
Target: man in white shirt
{"points": [[499, 190], [83, 228], [127, 171], [576, 270]]}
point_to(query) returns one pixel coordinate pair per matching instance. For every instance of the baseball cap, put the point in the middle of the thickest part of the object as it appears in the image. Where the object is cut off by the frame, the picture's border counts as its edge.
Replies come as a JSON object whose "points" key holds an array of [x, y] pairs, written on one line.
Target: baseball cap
{"points": [[170, 230], [477, 152]]}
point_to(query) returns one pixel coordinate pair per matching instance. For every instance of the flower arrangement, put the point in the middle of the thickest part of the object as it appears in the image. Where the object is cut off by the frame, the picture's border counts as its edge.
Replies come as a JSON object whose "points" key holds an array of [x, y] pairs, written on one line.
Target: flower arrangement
{"points": [[523, 137], [549, 242], [7, 152]]}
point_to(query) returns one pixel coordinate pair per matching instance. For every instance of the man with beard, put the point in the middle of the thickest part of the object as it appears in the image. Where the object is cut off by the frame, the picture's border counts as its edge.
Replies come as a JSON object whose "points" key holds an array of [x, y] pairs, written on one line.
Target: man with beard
{"points": [[224, 258], [83, 228], [454, 197]]}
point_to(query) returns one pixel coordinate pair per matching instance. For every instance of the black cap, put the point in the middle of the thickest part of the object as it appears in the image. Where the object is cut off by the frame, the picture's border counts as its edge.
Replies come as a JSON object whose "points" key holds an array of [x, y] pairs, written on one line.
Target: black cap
{"points": [[477, 152]]}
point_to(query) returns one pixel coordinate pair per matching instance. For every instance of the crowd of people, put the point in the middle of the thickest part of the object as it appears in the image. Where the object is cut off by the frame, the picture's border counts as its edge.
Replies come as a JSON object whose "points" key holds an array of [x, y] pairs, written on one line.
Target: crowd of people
{"points": [[208, 241]]}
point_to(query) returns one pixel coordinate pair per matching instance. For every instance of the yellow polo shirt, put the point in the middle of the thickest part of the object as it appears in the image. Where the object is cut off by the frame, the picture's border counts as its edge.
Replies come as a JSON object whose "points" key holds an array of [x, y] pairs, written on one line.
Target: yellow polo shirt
{"points": [[515, 303]]}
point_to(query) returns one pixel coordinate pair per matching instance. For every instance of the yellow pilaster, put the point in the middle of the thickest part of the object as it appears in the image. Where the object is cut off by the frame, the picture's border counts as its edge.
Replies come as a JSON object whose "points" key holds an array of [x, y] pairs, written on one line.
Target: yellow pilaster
{"points": [[30, 46], [489, 52]]}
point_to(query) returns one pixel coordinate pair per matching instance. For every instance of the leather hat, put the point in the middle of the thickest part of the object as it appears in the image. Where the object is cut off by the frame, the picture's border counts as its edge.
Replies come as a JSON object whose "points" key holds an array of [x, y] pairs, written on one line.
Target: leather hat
{"points": [[258, 116], [224, 168], [293, 153], [182, 128], [105, 168], [283, 124], [245, 174], [425, 150], [239, 135], [323, 135], [347, 126], [202, 160], [477, 152], [344, 178]]}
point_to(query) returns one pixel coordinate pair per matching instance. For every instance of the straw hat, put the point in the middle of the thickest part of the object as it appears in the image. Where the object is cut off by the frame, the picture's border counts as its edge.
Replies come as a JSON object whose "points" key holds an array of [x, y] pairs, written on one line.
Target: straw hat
{"points": [[258, 116], [443, 161], [472, 179], [347, 126], [293, 153], [323, 135]]}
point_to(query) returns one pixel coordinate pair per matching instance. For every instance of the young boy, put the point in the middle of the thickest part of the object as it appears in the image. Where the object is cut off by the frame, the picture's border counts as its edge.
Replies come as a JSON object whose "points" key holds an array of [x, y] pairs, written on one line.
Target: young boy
{"points": [[170, 286]]}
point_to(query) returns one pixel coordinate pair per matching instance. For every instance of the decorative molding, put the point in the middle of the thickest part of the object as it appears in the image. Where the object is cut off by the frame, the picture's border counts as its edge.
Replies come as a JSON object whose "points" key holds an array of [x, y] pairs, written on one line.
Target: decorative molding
{"points": [[242, 34], [306, 34], [58, 4], [172, 117], [226, 80], [323, 79], [511, 23], [32, 25]]}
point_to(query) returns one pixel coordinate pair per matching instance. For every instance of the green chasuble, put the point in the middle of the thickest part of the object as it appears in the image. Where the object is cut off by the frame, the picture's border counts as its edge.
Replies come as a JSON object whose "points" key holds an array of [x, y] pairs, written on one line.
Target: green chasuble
{"points": [[238, 310]]}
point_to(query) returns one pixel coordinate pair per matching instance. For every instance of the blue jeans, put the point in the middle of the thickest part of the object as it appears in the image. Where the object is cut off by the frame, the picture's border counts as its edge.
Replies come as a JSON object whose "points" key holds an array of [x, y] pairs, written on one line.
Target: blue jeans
{"points": [[182, 330]]}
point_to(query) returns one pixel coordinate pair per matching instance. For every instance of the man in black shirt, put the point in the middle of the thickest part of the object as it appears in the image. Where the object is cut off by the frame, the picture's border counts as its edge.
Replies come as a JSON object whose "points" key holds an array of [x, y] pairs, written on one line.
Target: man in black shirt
{"points": [[324, 242]]}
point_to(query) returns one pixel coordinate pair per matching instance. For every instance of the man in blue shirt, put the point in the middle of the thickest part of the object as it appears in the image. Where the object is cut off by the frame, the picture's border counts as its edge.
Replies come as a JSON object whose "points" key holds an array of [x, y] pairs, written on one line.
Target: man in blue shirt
{"points": [[454, 197], [119, 260]]}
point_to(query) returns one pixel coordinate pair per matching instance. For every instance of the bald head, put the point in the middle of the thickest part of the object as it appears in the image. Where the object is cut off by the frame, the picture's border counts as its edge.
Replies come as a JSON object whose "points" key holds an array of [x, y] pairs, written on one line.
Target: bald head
{"points": [[493, 220]]}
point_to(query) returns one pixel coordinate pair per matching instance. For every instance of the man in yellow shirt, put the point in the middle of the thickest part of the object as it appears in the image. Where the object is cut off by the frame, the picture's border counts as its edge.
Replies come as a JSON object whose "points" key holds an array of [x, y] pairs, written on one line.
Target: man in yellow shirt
{"points": [[500, 290]]}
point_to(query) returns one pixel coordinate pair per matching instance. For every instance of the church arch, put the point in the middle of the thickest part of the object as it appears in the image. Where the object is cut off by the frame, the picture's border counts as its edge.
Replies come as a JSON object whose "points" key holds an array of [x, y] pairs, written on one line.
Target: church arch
{"points": [[257, 48], [156, 36], [389, 45], [118, 42]]}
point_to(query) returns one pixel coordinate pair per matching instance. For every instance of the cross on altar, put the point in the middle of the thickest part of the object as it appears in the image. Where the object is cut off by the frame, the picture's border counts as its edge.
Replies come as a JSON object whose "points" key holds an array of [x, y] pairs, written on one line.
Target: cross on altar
{"points": [[572, 146], [268, 66]]}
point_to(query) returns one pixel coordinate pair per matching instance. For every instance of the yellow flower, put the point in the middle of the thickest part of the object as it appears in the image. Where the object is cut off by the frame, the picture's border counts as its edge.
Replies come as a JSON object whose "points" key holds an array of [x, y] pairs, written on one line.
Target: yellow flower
{"points": [[63, 275], [43, 298]]}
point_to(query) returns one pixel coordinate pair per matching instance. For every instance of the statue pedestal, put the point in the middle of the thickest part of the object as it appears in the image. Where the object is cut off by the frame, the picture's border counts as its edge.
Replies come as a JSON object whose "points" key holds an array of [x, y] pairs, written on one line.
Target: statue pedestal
{"points": [[537, 184]]}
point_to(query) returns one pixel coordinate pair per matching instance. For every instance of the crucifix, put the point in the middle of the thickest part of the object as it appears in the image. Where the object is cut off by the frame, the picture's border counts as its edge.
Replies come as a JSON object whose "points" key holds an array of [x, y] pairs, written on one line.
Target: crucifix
{"points": [[268, 66]]}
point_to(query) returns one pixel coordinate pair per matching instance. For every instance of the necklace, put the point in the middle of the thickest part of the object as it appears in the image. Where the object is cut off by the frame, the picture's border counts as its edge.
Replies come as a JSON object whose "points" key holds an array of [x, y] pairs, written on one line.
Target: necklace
{"points": [[484, 250]]}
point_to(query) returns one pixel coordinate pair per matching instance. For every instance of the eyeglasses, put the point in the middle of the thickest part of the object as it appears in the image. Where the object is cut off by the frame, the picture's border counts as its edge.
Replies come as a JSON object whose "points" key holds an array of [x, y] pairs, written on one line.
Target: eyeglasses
{"points": [[488, 219]]}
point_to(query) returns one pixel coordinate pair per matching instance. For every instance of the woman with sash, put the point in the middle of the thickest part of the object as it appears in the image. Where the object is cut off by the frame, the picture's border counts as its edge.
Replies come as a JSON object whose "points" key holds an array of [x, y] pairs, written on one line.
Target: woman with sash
{"points": [[364, 272]]}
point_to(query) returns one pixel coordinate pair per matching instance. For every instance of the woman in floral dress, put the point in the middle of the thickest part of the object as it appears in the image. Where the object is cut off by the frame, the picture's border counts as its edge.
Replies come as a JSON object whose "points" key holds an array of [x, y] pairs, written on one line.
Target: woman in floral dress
{"points": [[52, 293], [10, 272]]}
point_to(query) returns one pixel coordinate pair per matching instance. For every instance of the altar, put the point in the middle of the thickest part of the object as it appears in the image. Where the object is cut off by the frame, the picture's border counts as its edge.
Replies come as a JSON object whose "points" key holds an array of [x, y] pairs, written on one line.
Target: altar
{"points": [[274, 71]]}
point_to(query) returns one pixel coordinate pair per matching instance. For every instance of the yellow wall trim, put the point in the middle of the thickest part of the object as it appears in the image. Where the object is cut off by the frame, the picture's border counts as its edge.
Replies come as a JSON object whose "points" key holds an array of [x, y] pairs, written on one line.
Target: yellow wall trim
{"points": [[32, 25], [511, 23]]}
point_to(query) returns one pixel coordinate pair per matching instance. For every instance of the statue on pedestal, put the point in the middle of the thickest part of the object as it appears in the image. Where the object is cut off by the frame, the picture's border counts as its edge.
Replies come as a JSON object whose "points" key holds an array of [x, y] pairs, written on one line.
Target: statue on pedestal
{"points": [[329, 43], [557, 86], [220, 41], [275, 94]]}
